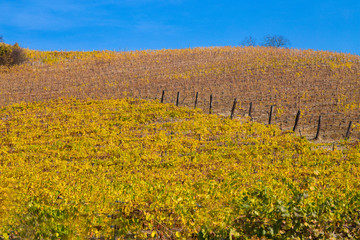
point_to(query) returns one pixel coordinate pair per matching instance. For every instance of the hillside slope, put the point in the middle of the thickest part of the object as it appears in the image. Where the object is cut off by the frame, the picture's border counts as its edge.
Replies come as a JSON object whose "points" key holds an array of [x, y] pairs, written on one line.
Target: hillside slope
{"points": [[315, 82]]}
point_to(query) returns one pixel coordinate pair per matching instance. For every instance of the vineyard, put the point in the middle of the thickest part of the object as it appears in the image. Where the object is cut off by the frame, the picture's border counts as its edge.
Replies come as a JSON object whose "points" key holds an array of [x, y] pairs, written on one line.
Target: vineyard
{"points": [[109, 145], [316, 83], [125, 169]]}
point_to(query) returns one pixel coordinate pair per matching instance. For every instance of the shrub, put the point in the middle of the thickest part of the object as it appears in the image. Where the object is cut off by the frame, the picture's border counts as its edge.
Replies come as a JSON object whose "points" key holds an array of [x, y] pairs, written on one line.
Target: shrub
{"points": [[11, 54]]}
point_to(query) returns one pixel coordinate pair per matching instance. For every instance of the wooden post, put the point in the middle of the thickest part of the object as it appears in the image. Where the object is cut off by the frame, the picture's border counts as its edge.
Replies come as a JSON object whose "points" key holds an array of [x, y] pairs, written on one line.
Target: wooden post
{"points": [[210, 107], [196, 99], [348, 130], [250, 109], [233, 109], [162, 96], [177, 98], [271, 113], [296, 120], [318, 129]]}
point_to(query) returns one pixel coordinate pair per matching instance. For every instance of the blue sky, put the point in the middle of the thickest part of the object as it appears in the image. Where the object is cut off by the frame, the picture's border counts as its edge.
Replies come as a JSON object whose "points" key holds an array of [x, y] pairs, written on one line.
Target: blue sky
{"points": [[158, 24]]}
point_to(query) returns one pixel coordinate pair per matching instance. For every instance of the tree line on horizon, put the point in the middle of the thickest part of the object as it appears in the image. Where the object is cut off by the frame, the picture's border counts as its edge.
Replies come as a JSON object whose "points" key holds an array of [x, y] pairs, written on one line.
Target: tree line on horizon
{"points": [[268, 41]]}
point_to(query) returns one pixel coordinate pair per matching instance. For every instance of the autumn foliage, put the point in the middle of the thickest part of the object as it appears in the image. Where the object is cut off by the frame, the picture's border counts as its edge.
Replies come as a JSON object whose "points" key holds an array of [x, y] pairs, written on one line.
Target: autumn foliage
{"points": [[87, 151], [131, 168], [11, 54]]}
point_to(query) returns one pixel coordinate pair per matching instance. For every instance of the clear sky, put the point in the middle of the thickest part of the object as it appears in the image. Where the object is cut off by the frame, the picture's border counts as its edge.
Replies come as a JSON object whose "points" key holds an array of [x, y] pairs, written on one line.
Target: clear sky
{"points": [[157, 24]]}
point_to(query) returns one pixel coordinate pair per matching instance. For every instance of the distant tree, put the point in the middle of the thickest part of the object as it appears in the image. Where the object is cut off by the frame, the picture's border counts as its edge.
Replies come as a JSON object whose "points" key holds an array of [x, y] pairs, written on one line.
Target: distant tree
{"points": [[12, 54], [248, 41], [1, 39], [275, 41], [18, 55]]}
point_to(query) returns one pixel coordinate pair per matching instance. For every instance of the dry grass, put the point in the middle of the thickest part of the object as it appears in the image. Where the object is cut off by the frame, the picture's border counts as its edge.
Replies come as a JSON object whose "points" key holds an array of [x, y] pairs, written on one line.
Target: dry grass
{"points": [[317, 83]]}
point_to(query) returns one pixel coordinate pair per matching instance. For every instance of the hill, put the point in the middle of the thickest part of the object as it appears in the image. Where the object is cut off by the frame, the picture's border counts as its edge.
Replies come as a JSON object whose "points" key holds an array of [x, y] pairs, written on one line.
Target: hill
{"points": [[314, 82]]}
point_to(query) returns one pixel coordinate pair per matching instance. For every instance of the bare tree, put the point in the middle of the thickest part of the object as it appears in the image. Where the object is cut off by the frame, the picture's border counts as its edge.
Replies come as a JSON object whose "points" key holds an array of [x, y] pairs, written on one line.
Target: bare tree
{"points": [[1, 39], [248, 41], [275, 41]]}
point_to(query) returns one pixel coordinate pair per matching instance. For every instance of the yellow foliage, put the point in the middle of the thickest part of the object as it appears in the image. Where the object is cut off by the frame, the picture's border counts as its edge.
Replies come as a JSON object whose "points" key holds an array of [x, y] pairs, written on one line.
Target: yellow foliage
{"points": [[78, 169]]}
